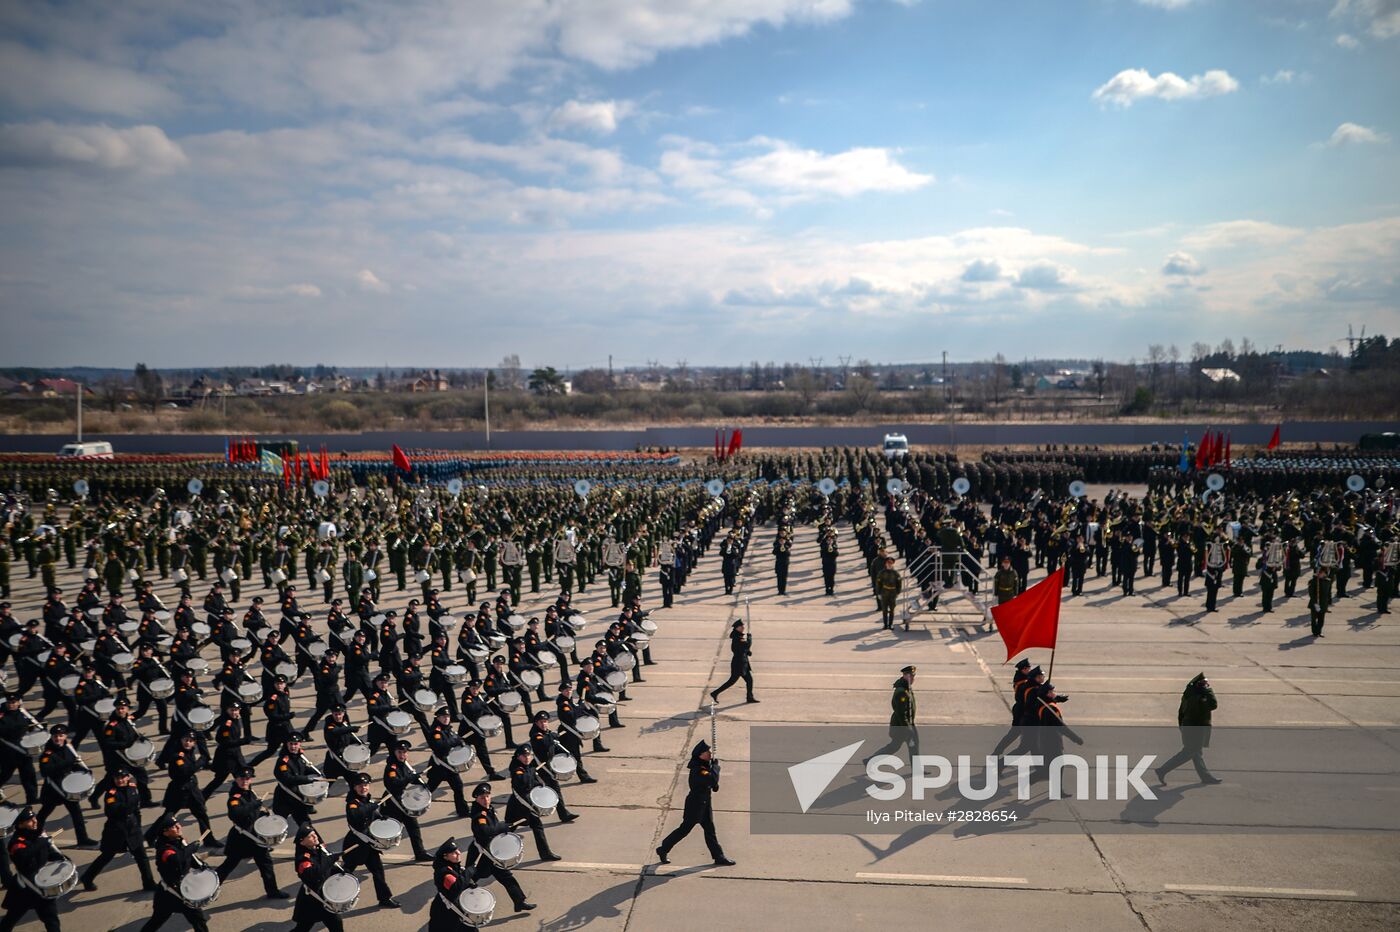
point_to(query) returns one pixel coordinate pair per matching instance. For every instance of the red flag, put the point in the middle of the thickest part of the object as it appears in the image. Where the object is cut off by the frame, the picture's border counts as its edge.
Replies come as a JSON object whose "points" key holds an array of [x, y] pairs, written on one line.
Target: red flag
{"points": [[736, 440], [719, 453], [401, 459], [1032, 619], [1273, 441], [252, 448], [325, 463], [298, 468], [1201, 450], [1227, 451], [286, 472]]}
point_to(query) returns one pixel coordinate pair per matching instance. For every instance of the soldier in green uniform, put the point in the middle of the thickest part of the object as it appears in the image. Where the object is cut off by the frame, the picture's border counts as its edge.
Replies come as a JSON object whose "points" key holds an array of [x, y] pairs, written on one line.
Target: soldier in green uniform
{"points": [[1006, 583], [887, 587], [903, 715], [1319, 599], [631, 585], [1239, 566], [113, 572], [1193, 718], [354, 573]]}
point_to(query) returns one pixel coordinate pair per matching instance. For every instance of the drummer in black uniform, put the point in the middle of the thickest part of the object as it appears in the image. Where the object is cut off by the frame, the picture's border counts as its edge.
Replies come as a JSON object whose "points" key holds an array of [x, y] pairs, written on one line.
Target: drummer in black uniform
{"points": [[29, 850], [58, 761], [122, 832], [229, 740], [14, 725], [450, 878], [144, 672], [485, 826], [314, 866], [525, 775], [338, 734], [245, 807], [174, 860], [360, 812], [277, 706], [184, 791], [399, 775], [117, 736], [292, 772]]}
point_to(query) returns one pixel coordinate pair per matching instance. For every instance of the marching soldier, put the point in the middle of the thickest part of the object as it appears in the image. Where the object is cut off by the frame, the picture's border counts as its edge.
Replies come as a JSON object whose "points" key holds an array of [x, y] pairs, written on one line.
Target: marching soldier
{"points": [[1006, 585], [699, 807], [58, 761], [29, 850], [15, 723], [277, 707], [449, 880], [829, 552], [173, 861], [887, 588], [315, 865], [1193, 719], [740, 648], [338, 734], [474, 706], [903, 715], [1239, 566], [525, 775], [292, 772], [731, 552], [121, 804], [399, 775], [1319, 599], [183, 791], [1268, 582], [485, 827], [117, 736], [568, 713], [357, 850], [245, 807], [782, 558]]}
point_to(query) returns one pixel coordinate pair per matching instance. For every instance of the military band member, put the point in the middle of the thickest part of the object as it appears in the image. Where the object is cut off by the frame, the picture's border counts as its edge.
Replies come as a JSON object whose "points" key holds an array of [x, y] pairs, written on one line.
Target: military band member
{"points": [[121, 805], [399, 774], [740, 649], [15, 723], [1268, 583], [28, 851], [887, 588], [314, 866], [569, 712], [474, 706], [485, 827], [173, 861], [277, 707], [245, 807], [144, 672], [782, 558], [450, 878], [830, 550], [360, 811], [1319, 599], [117, 736], [183, 791], [699, 807], [292, 772], [58, 761], [525, 775], [903, 716], [381, 703], [338, 734]]}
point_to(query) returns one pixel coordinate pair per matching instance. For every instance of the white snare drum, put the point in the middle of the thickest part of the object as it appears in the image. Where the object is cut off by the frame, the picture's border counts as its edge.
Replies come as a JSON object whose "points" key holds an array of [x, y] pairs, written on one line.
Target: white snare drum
{"points": [[616, 679], [315, 649], [586, 726], [355, 757], [56, 879], [314, 792], [543, 801], [271, 830], [33, 743], [199, 887], [506, 850], [197, 665], [476, 906], [564, 643], [508, 702], [478, 654], [163, 642], [625, 661], [160, 688], [68, 685], [515, 622], [532, 679], [398, 722], [201, 718], [385, 833], [563, 765], [240, 646], [340, 892], [288, 670], [129, 628], [279, 577], [181, 575], [123, 662], [489, 725], [9, 815], [641, 640], [163, 615], [456, 674], [425, 700], [416, 799], [104, 708], [141, 753], [547, 660], [250, 692], [604, 701], [495, 641], [460, 759], [77, 785], [133, 574], [88, 646], [422, 576], [200, 630], [648, 626]]}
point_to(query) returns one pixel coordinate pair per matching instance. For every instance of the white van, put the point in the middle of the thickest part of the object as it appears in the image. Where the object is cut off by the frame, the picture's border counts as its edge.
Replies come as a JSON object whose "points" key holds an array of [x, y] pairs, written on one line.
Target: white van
{"points": [[88, 450], [896, 446]]}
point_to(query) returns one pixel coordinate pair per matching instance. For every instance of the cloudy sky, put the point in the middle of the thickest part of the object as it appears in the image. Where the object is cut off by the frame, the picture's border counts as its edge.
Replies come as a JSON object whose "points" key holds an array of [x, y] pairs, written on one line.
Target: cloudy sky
{"points": [[442, 182]]}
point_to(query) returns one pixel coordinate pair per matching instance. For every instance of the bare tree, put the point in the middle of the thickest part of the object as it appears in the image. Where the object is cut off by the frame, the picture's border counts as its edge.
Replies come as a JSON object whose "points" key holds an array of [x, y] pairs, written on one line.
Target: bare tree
{"points": [[1156, 354], [862, 389], [510, 372], [999, 375], [865, 369], [150, 389], [1226, 348], [805, 383], [112, 391]]}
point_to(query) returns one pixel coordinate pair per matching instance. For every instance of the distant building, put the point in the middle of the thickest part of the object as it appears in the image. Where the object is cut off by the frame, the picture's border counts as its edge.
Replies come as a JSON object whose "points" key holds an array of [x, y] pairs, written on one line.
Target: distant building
{"points": [[1219, 376], [429, 381], [54, 388]]}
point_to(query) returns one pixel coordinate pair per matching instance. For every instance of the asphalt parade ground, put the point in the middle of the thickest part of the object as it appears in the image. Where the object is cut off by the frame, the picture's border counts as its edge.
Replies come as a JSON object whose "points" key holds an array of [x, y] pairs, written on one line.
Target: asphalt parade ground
{"points": [[820, 659]]}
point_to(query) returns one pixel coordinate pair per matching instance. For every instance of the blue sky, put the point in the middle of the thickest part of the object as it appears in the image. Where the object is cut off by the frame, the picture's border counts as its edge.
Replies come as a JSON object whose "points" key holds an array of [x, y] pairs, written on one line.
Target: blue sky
{"points": [[444, 183]]}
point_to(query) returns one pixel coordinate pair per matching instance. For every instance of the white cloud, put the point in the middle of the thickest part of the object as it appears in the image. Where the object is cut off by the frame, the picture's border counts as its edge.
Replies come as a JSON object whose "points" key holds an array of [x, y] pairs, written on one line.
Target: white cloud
{"points": [[1235, 234], [1135, 84], [36, 81], [141, 149], [1182, 263], [1167, 4], [1380, 17], [368, 281], [844, 174], [258, 293], [1282, 76], [1354, 134], [982, 270], [594, 116], [1046, 276], [1347, 42]]}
